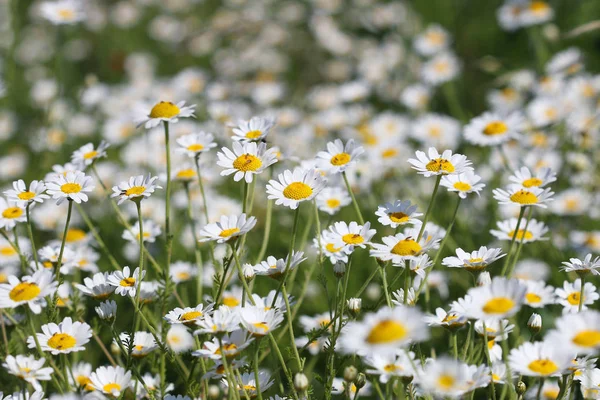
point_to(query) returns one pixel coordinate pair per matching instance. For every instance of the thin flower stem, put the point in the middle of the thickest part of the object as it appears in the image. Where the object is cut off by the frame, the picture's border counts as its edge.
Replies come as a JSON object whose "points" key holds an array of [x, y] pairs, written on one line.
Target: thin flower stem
{"points": [[354, 202], [64, 239], [201, 184], [267, 233], [385, 287], [514, 259], [429, 207], [581, 293], [489, 360], [538, 395], [512, 242], [406, 281], [454, 345], [140, 276], [284, 367], [197, 253], [168, 234], [16, 249], [30, 232], [241, 276], [369, 279], [97, 237], [255, 366], [289, 258], [288, 313]]}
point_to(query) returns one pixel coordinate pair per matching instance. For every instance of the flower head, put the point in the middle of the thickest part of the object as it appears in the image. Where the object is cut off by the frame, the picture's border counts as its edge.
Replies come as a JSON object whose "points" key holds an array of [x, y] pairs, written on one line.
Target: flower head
{"points": [[136, 188], [73, 186], [165, 111]]}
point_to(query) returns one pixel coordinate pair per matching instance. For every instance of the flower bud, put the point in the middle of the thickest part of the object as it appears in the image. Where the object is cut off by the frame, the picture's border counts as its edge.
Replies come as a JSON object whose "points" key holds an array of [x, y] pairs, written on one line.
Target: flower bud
{"points": [[361, 380], [521, 388], [115, 349], [214, 392], [339, 269], [354, 306], [535, 323], [248, 272], [350, 373], [300, 382], [484, 279]]}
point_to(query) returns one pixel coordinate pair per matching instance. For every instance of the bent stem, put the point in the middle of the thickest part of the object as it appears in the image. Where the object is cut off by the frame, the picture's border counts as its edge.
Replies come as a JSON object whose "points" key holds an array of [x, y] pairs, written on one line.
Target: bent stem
{"points": [[354, 202], [429, 207]]}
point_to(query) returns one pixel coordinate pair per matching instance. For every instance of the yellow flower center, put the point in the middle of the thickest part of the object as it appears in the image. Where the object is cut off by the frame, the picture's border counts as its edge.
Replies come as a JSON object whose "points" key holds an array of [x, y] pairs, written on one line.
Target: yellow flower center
{"points": [[12, 212], [524, 197], [543, 367], [230, 301], [190, 315], [406, 247], [446, 381], [495, 128], [195, 147], [164, 109], [440, 165], [498, 305], [386, 331], [436, 38], [389, 153], [522, 233], [84, 381], [261, 325], [7, 251], [247, 162], [398, 217], [462, 186], [441, 67], [538, 6], [340, 159], [551, 393], [75, 235], [183, 275], [66, 13], [353, 238], [62, 341], [331, 248], [392, 368], [509, 93], [449, 317], [111, 387], [254, 134], [532, 182], [135, 191], [533, 298], [250, 388], [127, 282], [69, 188], [228, 232], [26, 195], [24, 291], [297, 191], [333, 203], [186, 173], [587, 338], [90, 154]]}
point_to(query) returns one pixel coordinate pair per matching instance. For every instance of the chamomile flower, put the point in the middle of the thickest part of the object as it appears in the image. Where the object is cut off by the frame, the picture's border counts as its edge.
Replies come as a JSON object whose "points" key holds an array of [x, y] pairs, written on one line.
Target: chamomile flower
{"points": [[293, 187], [269, 301], [137, 188], [23, 196], [152, 230], [182, 271], [30, 290], [87, 154], [432, 41], [233, 344], [569, 296], [224, 319], [463, 184], [536, 12], [229, 227], [249, 385], [516, 194], [332, 199], [339, 157], [399, 248], [500, 299], [165, 111], [580, 332], [73, 186], [195, 144], [490, 129], [260, 322], [450, 320], [62, 338], [398, 298], [62, 12], [540, 359], [526, 179], [390, 365], [179, 339], [436, 130], [28, 368], [416, 97], [582, 267], [446, 378], [107, 310], [538, 294], [475, 261], [434, 163], [125, 282], [246, 160], [11, 213], [326, 244], [254, 129], [187, 315], [442, 68], [142, 345], [398, 213], [275, 268], [97, 286], [349, 236], [111, 381], [507, 230], [384, 331]]}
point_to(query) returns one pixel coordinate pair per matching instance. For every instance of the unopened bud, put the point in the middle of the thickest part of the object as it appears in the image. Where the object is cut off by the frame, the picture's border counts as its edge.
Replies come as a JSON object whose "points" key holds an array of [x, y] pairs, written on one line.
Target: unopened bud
{"points": [[300, 382], [535, 323], [484, 279], [339, 269], [354, 306], [360, 381], [521, 388], [350, 373], [115, 349], [406, 380], [214, 392], [248, 272]]}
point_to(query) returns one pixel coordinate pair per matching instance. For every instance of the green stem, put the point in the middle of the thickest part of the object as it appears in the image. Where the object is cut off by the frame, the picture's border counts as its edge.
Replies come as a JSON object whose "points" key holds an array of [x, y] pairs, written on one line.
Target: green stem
{"points": [[30, 232], [354, 202], [288, 313], [489, 361], [97, 237], [168, 234], [255, 365], [289, 258], [385, 287], [64, 239], [514, 259], [512, 242], [265, 241], [581, 300], [429, 207], [198, 255]]}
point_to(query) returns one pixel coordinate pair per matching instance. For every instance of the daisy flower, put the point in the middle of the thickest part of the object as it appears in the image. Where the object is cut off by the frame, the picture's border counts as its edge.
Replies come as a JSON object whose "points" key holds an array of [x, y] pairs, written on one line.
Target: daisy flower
{"points": [[152, 230], [507, 229], [446, 378], [475, 261], [416, 96], [187, 315], [349, 236], [72, 186], [62, 12], [332, 199], [80, 376], [339, 386], [195, 144], [293, 187], [450, 320], [28, 368], [179, 339], [260, 322], [397, 213], [110, 380], [137, 188], [432, 41], [269, 299], [580, 332], [582, 267], [526, 179], [125, 282], [182, 271], [536, 12], [96, 287], [384, 331], [399, 248], [64, 338], [229, 227], [516, 194], [255, 129], [570, 294], [339, 157], [327, 245], [223, 320], [23, 196], [398, 297], [495, 329], [11, 213], [463, 184], [107, 310], [249, 385], [143, 343], [246, 160], [500, 299], [233, 344], [389, 365], [442, 68], [87, 154], [165, 111], [540, 359], [491, 129], [275, 268], [30, 290], [538, 295], [432, 163]]}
